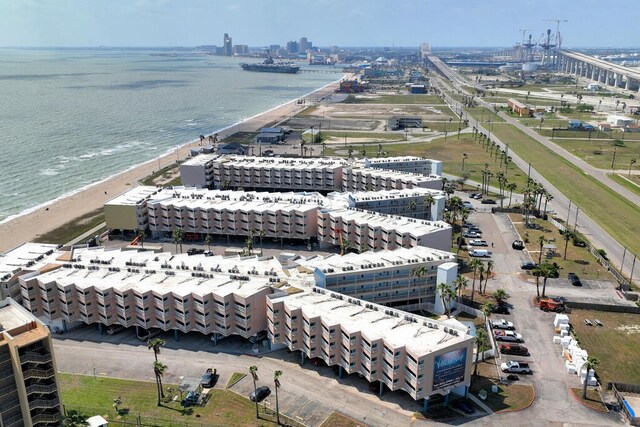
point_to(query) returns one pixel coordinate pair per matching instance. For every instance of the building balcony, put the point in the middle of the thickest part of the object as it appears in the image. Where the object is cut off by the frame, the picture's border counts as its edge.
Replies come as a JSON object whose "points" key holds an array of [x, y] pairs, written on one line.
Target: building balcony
{"points": [[44, 404], [35, 358], [40, 389], [39, 373], [45, 419]]}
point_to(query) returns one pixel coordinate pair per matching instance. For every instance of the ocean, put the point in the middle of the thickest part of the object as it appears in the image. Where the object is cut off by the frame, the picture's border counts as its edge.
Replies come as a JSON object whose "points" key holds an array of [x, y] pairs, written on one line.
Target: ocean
{"points": [[70, 118]]}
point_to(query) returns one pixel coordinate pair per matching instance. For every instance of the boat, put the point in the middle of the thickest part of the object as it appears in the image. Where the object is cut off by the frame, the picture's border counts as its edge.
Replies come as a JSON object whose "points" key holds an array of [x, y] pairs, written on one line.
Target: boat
{"points": [[270, 66]]}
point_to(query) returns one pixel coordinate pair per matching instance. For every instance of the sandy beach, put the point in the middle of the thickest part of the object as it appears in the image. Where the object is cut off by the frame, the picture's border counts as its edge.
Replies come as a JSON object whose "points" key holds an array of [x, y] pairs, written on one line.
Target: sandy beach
{"points": [[29, 226]]}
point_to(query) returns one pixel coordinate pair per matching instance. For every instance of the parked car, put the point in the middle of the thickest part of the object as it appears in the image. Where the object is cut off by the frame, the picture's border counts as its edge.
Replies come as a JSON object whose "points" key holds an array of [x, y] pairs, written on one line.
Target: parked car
{"points": [[209, 378], [208, 253], [528, 265], [194, 251], [502, 324], [515, 367], [464, 405], [472, 229], [478, 242], [468, 205], [478, 196], [480, 253], [471, 234], [518, 244], [474, 195], [192, 398], [501, 309], [260, 394], [260, 336], [516, 349], [508, 336], [574, 279], [488, 202]]}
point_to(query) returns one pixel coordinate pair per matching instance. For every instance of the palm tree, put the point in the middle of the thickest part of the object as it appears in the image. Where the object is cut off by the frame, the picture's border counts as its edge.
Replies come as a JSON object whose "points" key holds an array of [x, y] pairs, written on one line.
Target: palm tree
{"points": [[541, 242], [511, 186], [155, 345], [460, 284], [208, 240], [475, 264], [488, 271], [591, 363], [547, 198], [500, 295], [261, 234], [141, 237], [276, 382], [446, 294], [428, 202], [545, 270], [420, 273], [159, 369], [487, 309], [567, 235], [254, 374], [350, 151], [116, 403], [413, 205], [74, 418], [481, 342], [178, 236]]}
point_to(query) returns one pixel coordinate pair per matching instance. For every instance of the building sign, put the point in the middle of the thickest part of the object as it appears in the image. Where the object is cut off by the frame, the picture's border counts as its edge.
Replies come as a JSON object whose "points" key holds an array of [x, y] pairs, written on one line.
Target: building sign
{"points": [[448, 368]]}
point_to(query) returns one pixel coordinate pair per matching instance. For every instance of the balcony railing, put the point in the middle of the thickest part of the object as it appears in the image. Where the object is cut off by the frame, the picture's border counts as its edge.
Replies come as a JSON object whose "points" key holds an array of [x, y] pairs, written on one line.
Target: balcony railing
{"points": [[38, 388], [39, 373], [44, 418], [35, 358], [44, 403]]}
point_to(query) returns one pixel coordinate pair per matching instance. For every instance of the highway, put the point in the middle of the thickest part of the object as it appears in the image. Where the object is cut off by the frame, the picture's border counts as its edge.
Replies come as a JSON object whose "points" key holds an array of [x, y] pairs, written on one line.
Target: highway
{"points": [[561, 202]]}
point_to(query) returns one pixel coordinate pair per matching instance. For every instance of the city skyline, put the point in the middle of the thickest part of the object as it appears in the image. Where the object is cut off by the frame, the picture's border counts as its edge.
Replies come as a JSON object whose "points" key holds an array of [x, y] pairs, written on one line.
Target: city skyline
{"points": [[47, 23]]}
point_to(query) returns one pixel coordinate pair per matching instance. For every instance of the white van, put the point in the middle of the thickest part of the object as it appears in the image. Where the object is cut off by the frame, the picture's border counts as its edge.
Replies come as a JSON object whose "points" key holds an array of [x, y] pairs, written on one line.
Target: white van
{"points": [[480, 253]]}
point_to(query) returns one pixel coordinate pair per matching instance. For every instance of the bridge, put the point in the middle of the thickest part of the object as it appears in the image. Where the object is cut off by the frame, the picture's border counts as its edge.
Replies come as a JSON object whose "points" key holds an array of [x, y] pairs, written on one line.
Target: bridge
{"points": [[598, 70]]}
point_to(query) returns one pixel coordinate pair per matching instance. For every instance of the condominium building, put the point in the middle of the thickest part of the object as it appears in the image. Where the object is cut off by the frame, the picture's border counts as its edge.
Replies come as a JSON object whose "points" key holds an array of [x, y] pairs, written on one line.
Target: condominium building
{"points": [[265, 173], [377, 179], [211, 295], [15, 262], [406, 164], [392, 278], [415, 202], [199, 211], [365, 229], [403, 351], [28, 388]]}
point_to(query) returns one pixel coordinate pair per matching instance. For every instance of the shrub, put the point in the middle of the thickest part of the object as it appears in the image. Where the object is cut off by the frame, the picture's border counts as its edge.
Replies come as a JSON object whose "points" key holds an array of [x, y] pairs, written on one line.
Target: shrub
{"points": [[603, 254]]}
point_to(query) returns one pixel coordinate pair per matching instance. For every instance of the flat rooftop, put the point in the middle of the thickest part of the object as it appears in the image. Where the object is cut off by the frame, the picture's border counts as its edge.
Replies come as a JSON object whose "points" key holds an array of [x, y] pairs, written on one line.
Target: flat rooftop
{"points": [[268, 162], [13, 315], [16, 259], [420, 335], [402, 224], [399, 159], [393, 174], [377, 260], [360, 196]]}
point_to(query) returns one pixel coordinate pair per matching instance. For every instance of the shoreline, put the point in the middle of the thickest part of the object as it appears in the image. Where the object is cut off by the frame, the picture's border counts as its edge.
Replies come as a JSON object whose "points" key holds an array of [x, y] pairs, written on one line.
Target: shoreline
{"points": [[33, 222]]}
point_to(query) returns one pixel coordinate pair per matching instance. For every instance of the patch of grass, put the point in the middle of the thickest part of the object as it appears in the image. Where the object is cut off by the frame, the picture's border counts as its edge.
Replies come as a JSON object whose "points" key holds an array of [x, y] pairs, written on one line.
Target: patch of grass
{"points": [[308, 112], [593, 399], [579, 260], [72, 229], [95, 396], [393, 99], [483, 114], [615, 344], [375, 136], [235, 378], [241, 137], [632, 182], [586, 192], [605, 149], [336, 419], [510, 397]]}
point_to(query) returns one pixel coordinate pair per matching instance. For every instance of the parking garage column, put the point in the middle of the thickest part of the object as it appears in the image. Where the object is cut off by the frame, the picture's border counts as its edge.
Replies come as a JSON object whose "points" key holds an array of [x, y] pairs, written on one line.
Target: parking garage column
{"points": [[627, 84], [593, 72], [425, 405], [617, 79], [176, 337]]}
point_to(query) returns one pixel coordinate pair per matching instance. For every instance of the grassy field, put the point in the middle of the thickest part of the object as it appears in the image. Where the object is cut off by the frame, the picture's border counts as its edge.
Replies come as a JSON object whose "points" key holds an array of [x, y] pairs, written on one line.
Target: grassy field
{"points": [[442, 125], [449, 151], [95, 396], [579, 260], [394, 99], [593, 399], [623, 180], [599, 152], [73, 228], [595, 134], [510, 397], [483, 114], [615, 344], [589, 194], [375, 136]]}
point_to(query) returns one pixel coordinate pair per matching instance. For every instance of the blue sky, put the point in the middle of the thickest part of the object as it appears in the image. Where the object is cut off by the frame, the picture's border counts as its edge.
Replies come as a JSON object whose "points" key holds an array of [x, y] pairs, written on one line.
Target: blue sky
{"points": [[325, 22]]}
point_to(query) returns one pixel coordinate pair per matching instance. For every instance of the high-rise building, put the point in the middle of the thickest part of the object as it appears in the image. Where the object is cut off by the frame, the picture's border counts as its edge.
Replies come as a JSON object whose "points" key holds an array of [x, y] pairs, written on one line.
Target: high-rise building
{"points": [[303, 44], [28, 388], [240, 49], [292, 47], [228, 45]]}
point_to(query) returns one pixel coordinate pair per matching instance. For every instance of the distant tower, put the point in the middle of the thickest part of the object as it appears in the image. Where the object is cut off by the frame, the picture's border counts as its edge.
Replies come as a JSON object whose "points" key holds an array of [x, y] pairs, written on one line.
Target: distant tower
{"points": [[528, 47], [227, 46], [546, 56], [303, 44]]}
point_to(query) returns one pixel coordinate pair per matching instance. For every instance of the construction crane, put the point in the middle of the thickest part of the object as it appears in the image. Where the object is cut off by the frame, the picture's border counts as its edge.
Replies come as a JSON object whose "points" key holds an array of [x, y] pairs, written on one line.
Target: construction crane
{"points": [[558, 36], [526, 48]]}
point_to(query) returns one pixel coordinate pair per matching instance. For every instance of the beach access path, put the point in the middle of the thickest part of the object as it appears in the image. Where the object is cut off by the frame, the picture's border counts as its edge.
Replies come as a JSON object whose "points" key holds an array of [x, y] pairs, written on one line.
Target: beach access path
{"points": [[28, 227]]}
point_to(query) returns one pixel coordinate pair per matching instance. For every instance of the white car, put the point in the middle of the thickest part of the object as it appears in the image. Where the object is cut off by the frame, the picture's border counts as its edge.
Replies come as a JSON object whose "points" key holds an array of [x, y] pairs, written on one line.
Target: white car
{"points": [[502, 324], [478, 242], [508, 336]]}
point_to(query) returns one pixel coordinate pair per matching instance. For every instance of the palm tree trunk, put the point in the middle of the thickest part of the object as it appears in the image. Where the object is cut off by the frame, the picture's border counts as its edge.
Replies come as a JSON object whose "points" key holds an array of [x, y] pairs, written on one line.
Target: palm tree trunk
{"points": [[473, 287], [158, 390], [277, 408], [510, 194], [255, 393], [544, 286], [475, 370], [161, 388]]}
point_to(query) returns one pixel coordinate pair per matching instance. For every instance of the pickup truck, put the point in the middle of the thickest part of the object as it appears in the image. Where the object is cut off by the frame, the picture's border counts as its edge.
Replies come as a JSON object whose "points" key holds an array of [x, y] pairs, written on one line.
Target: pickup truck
{"points": [[478, 242], [508, 336], [209, 378], [502, 324], [515, 367]]}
